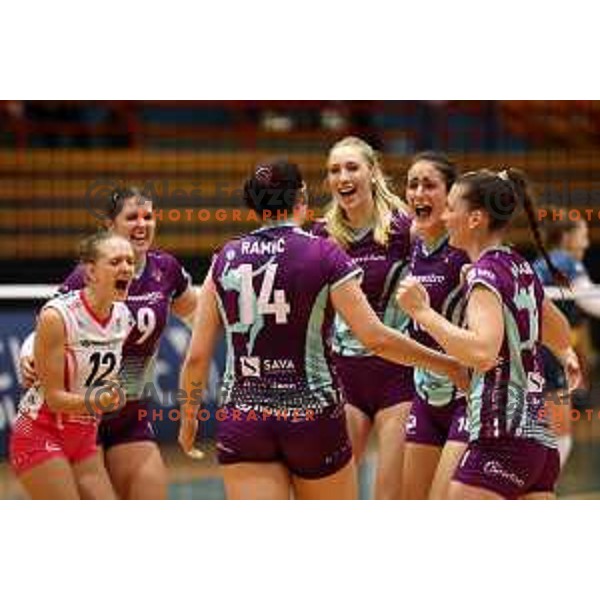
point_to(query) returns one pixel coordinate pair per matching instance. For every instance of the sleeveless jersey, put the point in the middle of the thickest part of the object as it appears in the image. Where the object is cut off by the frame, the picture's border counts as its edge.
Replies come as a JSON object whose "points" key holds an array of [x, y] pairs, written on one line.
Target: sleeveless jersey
{"points": [[92, 348], [149, 299]]}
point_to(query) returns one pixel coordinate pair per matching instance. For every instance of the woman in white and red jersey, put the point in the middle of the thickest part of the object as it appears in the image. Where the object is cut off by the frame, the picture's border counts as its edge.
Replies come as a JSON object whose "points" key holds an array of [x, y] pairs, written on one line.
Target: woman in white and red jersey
{"points": [[77, 349], [160, 286]]}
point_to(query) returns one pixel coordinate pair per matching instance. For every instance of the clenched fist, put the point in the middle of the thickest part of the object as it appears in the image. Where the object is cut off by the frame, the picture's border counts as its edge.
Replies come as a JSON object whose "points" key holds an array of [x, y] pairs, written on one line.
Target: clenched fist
{"points": [[412, 297]]}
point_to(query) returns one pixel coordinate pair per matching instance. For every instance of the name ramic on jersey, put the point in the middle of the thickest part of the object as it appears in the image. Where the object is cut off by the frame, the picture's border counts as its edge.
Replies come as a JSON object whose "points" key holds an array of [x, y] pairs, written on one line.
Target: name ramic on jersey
{"points": [[264, 247]]}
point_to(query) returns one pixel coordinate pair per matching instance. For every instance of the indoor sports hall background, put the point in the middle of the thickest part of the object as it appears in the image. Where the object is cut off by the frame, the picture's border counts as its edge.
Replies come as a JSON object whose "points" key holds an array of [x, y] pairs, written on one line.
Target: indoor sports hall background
{"points": [[59, 158]]}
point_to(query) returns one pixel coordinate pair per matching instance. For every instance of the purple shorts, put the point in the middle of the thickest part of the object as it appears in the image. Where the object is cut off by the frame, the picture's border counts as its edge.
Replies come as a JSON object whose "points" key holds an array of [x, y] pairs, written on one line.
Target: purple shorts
{"points": [[435, 425], [371, 383], [510, 467], [311, 448], [132, 423]]}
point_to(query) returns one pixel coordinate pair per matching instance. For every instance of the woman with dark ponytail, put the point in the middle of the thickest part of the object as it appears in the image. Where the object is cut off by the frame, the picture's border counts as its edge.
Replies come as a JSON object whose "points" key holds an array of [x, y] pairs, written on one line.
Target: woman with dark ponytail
{"points": [[511, 452], [253, 293]]}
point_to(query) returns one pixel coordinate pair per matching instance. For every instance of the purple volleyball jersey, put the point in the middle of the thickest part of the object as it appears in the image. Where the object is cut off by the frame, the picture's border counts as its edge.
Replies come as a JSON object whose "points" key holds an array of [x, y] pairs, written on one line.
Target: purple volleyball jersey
{"points": [[507, 401], [149, 299], [273, 289], [438, 268], [383, 267]]}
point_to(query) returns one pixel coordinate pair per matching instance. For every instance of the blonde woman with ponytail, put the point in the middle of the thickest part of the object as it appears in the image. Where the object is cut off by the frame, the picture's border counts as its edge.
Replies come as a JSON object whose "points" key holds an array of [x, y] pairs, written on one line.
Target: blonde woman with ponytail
{"points": [[372, 225]]}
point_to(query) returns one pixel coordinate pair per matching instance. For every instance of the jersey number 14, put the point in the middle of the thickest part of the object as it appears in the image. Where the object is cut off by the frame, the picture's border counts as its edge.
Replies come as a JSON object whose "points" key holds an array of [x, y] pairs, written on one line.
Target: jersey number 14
{"points": [[250, 307]]}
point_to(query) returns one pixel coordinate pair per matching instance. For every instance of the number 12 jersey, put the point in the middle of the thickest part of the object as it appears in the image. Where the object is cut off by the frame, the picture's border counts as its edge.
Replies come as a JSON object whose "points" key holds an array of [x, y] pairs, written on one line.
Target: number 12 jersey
{"points": [[93, 347]]}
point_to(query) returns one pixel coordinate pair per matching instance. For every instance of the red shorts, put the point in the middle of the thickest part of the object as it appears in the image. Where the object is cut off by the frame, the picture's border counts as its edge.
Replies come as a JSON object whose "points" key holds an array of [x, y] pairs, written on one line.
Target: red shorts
{"points": [[34, 441]]}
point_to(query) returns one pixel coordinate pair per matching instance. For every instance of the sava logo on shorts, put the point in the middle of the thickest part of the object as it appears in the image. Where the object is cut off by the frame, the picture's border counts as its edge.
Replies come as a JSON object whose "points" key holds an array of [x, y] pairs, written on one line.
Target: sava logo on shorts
{"points": [[250, 366], [492, 467]]}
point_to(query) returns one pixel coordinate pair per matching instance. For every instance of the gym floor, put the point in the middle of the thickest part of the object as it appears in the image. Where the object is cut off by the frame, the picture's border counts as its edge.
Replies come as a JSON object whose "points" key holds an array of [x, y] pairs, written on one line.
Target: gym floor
{"points": [[201, 480]]}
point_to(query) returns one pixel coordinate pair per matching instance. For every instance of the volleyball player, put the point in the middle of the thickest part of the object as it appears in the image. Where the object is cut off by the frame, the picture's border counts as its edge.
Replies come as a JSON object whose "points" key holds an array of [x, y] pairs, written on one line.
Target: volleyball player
{"points": [[436, 432], [274, 292], [512, 449], [160, 285], [78, 343], [372, 225]]}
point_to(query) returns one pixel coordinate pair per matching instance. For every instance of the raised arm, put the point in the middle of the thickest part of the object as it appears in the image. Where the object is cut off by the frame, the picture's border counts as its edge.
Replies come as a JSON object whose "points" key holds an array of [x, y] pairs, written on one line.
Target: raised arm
{"points": [[479, 345], [350, 302]]}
